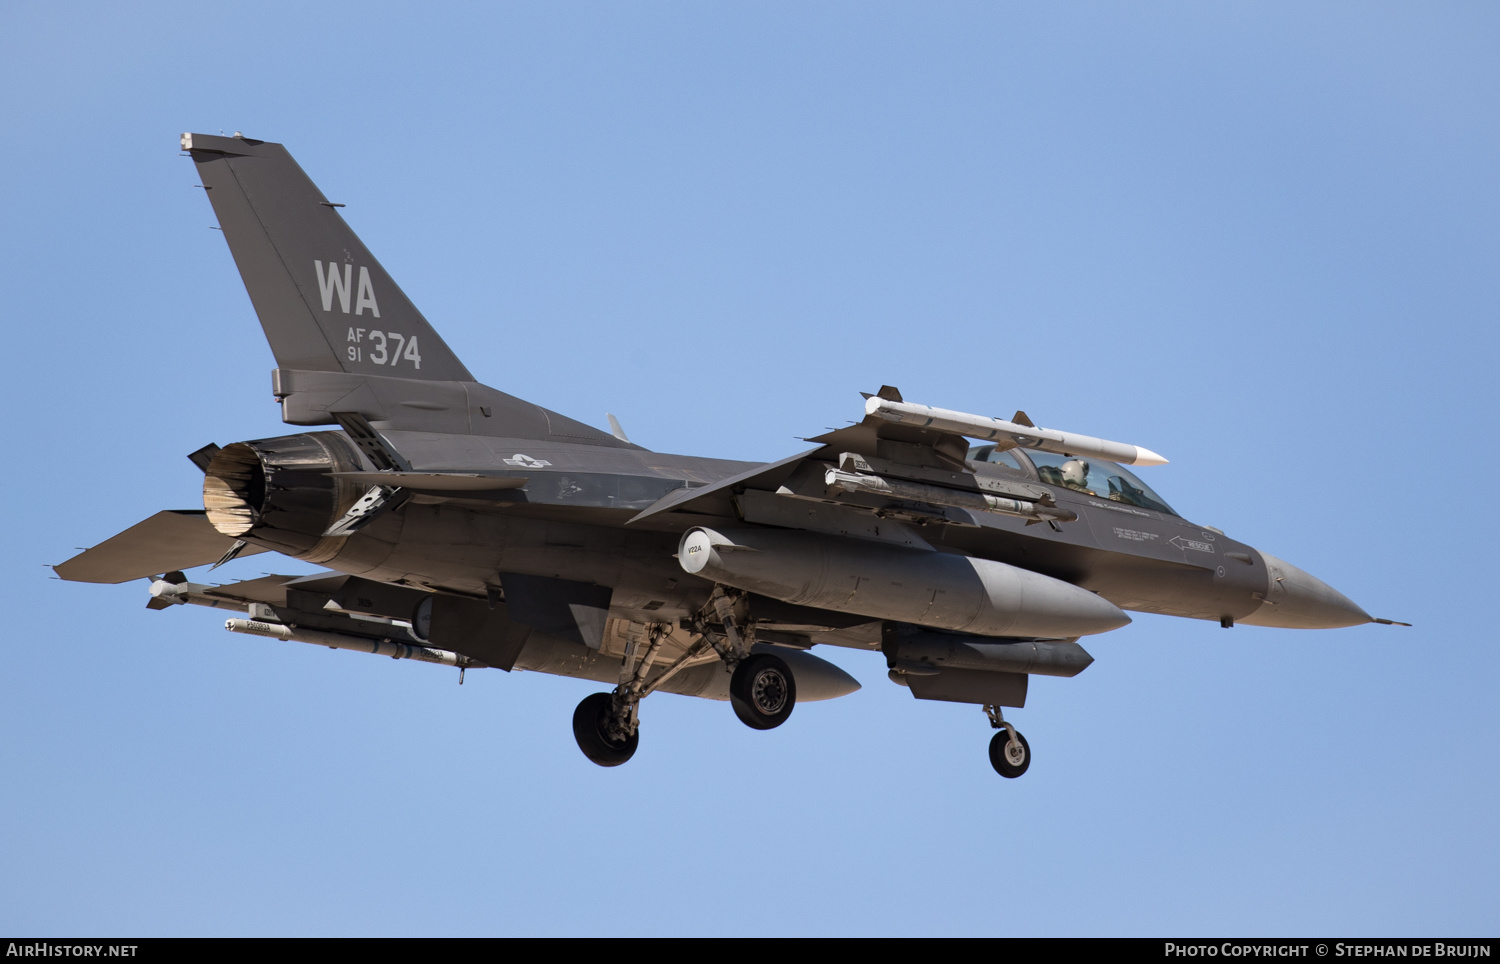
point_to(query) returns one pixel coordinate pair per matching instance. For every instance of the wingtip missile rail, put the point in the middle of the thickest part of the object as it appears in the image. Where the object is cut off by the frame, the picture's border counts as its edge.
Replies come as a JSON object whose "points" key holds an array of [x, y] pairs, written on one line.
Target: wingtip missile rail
{"points": [[999, 430]]}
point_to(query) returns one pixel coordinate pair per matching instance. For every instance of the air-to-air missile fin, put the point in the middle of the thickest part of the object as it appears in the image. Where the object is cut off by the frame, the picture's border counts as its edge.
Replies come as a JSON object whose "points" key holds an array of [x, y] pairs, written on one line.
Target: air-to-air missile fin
{"points": [[171, 539], [1021, 418], [615, 428], [345, 336]]}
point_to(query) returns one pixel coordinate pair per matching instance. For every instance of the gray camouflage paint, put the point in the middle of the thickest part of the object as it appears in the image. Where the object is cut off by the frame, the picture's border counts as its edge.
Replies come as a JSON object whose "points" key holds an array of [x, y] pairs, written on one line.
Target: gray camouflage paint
{"points": [[496, 485]]}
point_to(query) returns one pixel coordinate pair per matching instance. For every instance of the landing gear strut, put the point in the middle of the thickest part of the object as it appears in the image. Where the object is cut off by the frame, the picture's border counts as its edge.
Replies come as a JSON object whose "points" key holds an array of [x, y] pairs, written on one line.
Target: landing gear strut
{"points": [[762, 690], [1010, 754], [607, 726]]}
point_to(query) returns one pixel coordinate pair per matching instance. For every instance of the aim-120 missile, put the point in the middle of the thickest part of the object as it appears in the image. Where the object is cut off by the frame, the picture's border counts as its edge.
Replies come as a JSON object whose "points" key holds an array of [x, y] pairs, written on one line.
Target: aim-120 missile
{"points": [[999, 430]]}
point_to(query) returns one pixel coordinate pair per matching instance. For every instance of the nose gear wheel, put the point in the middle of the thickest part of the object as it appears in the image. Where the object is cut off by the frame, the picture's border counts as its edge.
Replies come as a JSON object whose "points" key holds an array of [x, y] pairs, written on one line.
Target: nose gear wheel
{"points": [[1010, 754]]}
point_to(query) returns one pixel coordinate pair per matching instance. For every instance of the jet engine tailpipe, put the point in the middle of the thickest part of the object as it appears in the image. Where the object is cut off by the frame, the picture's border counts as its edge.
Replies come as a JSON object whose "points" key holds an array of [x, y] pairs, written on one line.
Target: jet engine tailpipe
{"points": [[281, 492], [937, 590]]}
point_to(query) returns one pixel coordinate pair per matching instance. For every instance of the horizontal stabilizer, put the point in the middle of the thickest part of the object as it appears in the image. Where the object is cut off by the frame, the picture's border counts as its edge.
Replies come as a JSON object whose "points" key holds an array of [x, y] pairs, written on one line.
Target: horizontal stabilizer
{"points": [[171, 539]]}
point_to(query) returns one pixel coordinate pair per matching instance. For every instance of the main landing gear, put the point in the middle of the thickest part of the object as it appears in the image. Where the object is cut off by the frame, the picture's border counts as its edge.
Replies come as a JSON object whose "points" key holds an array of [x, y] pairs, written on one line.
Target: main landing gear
{"points": [[607, 726], [1010, 754], [596, 727], [762, 689]]}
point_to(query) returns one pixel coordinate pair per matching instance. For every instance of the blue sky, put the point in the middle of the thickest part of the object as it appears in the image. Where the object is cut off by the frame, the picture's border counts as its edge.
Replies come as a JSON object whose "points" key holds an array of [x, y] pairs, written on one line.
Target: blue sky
{"points": [[1260, 239]]}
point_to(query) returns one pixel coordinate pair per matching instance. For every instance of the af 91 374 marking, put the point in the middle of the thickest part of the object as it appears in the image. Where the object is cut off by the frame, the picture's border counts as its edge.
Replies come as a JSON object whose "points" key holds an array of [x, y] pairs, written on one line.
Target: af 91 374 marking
{"points": [[382, 353]]}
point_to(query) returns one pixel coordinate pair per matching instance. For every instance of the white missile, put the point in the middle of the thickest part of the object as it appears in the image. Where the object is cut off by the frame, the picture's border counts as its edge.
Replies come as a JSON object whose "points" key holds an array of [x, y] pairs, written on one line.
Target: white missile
{"points": [[999, 430], [839, 480], [380, 647]]}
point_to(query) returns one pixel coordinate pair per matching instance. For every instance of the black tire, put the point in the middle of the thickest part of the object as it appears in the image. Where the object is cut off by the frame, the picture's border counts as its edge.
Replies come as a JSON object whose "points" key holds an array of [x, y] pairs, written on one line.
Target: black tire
{"points": [[1002, 761], [590, 729], [763, 691]]}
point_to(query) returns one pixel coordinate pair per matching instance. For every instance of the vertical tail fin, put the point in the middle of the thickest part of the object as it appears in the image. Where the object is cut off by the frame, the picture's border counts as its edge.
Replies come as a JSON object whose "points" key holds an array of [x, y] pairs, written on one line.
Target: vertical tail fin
{"points": [[347, 340], [324, 301]]}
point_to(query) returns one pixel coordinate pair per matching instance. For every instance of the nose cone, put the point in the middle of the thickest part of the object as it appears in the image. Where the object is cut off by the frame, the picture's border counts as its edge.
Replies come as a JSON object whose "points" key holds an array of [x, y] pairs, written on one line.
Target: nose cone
{"points": [[1298, 600]]}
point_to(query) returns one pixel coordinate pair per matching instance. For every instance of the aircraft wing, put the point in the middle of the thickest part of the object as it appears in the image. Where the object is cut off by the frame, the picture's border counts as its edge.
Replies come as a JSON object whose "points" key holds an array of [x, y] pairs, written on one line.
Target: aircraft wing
{"points": [[868, 480], [714, 500], [173, 539]]}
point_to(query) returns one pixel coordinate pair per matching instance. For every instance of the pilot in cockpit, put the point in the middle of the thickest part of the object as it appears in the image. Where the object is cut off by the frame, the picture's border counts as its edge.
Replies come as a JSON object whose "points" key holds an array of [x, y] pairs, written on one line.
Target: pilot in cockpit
{"points": [[1075, 475]]}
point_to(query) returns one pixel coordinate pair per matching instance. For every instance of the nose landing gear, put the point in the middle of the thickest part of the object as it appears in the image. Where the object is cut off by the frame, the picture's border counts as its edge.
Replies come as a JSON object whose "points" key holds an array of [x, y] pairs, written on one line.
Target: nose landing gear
{"points": [[1010, 754]]}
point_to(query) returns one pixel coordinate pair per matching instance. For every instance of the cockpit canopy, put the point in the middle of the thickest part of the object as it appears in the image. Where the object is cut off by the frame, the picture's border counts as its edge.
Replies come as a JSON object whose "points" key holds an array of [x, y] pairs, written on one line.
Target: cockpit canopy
{"points": [[1096, 477]]}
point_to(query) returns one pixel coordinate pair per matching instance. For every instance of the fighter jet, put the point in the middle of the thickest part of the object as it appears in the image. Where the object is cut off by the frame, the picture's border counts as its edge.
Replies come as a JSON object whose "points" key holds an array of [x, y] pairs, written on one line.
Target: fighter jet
{"points": [[463, 526]]}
